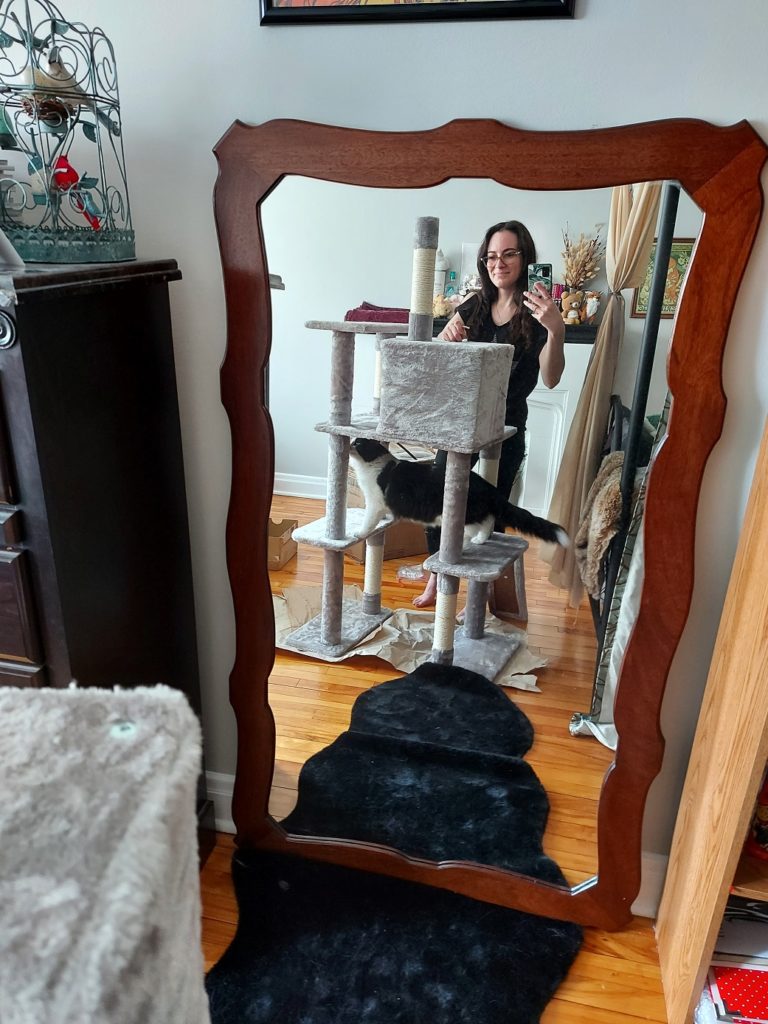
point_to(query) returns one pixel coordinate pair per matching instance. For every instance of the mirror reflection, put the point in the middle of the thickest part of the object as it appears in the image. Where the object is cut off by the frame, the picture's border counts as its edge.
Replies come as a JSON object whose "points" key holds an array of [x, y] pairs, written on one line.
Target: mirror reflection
{"points": [[337, 248]]}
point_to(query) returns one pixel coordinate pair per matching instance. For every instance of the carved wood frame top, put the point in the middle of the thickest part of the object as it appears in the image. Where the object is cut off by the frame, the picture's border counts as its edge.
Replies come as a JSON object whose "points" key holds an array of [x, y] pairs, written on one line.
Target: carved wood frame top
{"points": [[719, 167]]}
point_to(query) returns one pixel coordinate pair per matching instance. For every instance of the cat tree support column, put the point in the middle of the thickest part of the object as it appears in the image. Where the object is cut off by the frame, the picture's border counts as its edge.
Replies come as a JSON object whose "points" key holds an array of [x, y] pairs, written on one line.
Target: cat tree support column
{"points": [[342, 380], [477, 592], [451, 543], [488, 466]]}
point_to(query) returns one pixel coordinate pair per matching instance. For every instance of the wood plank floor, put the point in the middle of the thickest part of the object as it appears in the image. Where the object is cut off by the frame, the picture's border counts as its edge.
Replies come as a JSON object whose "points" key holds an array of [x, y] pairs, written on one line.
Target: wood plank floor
{"points": [[616, 976]]}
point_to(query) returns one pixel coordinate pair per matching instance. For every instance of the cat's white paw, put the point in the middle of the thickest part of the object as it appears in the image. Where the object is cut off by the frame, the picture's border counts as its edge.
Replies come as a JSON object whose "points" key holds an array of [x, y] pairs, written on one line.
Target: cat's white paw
{"points": [[479, 538]]}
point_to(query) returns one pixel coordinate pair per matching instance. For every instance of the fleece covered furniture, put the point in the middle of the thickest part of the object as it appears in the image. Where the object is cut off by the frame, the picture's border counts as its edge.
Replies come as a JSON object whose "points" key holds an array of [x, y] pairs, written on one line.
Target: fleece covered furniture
{"points": [[99, 888]]}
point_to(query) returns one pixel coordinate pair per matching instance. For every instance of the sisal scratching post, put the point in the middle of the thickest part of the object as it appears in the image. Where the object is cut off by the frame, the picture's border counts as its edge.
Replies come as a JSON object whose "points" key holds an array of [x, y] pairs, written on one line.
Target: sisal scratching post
{"points": [[445, 619], [374, 558], [423, 279]]}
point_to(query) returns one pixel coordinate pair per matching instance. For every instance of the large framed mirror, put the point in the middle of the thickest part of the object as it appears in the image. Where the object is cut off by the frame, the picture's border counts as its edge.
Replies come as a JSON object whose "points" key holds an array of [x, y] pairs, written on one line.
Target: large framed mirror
{"points": [[718, 171]]}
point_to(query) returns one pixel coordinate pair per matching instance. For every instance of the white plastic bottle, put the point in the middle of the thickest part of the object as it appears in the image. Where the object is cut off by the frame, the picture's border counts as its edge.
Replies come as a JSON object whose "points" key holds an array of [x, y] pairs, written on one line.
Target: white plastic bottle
{"points": [[441, 268]]}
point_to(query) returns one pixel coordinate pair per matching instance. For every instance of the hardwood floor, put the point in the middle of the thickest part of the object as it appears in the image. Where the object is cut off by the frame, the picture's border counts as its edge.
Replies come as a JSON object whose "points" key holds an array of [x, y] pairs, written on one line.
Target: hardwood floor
{"points": [[616, 975]]}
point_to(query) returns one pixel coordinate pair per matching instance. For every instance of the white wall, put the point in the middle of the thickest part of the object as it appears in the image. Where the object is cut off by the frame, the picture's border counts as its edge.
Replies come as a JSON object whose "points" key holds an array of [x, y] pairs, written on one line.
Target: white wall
{"points": [[188, 70], [336, 246]]}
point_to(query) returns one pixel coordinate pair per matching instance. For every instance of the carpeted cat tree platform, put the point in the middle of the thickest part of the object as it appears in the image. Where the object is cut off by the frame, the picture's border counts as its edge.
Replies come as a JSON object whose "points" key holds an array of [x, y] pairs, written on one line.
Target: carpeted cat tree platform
{"points": [[431, 764]]}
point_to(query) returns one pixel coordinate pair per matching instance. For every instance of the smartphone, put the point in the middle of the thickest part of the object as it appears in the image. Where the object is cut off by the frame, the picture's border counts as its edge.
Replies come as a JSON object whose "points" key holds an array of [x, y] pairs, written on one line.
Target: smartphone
{"points": [[540, 272]]}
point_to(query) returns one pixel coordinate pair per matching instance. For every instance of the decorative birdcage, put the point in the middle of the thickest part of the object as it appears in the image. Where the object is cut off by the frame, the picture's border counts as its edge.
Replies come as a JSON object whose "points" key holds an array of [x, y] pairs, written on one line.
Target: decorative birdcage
{"points": [[63, 190]]}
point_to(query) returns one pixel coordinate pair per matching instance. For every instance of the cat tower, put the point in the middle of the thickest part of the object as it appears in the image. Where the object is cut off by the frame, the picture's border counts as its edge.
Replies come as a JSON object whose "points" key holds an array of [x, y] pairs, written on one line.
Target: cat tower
{"points": [[442, 395]]}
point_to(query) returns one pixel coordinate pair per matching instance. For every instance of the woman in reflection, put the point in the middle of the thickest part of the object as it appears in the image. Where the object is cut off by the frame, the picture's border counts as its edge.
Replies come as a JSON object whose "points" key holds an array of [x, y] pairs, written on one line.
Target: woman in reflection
{"points": [[502, 311]]}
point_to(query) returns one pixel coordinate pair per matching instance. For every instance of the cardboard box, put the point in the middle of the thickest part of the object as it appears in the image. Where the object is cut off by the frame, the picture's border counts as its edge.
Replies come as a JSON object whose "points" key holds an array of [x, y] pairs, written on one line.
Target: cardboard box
{"points": [[281, 547], [400, 541]]}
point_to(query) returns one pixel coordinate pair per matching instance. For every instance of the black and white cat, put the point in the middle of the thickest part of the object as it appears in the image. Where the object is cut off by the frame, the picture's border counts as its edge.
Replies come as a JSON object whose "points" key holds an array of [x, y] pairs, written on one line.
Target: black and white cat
{"points": [[394, 488]]}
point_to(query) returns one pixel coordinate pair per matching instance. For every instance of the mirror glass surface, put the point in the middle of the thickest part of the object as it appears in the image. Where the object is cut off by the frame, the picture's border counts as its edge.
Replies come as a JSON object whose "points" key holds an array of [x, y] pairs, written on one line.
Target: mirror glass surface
{"points": [[335, 247]]}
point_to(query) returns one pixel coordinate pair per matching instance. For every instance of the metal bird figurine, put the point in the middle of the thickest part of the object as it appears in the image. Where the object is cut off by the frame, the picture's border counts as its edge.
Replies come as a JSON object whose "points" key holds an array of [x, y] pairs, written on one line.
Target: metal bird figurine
{"points": [[65, 178], [60, 83]]}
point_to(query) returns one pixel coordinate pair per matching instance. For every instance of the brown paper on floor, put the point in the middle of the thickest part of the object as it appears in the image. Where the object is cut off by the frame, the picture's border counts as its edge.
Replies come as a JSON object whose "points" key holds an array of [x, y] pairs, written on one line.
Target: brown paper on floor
{"points": [[404, 640]]}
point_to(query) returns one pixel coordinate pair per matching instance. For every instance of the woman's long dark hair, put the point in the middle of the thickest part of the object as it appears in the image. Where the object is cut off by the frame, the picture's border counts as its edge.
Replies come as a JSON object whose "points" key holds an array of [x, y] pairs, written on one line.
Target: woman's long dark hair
{"points": [[522, 322]]}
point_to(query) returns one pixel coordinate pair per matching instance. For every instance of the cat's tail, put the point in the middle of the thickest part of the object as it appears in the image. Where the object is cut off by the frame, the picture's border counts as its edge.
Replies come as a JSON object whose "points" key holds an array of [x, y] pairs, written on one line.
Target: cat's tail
{"points": [[533, 526]]}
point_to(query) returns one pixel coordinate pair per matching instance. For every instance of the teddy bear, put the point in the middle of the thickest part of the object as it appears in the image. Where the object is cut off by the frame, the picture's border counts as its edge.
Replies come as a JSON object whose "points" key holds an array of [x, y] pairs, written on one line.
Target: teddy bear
{"points": [[571, 306], [441, 306]]}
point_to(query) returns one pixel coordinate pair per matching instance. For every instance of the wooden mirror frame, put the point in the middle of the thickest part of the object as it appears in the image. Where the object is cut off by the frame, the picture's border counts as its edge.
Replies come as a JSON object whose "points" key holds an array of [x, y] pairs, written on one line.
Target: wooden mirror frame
{"points": [[719, 167]]}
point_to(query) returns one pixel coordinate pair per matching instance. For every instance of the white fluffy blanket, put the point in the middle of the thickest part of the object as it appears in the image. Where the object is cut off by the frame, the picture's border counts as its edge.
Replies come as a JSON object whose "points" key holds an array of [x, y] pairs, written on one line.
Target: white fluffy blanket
{"points": [[99, 884]]}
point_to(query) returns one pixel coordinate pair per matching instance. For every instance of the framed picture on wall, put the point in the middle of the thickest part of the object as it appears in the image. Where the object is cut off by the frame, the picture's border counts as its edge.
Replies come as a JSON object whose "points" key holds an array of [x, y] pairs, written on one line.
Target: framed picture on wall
{"points": [[679, 258], [288, 12]]}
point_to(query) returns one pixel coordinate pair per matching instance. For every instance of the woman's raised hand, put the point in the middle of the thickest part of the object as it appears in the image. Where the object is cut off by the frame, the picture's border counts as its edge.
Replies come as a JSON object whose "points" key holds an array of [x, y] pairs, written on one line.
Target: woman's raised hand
{"points": [[542, 307]]}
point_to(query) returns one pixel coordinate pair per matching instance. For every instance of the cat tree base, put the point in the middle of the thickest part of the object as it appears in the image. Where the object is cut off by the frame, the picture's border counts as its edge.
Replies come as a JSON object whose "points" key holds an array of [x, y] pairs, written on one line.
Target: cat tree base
{"points": [[356, 625], [487, 655]]}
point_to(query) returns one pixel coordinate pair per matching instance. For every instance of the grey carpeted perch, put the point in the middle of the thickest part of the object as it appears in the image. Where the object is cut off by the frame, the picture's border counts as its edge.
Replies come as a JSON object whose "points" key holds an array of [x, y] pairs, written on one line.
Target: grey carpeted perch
{"points": [[99, 887]]}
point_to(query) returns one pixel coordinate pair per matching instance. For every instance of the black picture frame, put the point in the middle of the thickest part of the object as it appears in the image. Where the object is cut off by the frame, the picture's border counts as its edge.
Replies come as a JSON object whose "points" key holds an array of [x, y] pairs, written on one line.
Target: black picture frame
{"points": [[289, 12]]}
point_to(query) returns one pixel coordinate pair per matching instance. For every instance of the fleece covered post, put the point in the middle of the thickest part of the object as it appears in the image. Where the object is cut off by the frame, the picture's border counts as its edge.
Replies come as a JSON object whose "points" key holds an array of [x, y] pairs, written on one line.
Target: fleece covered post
{"points": [[451, 543], [342, 376]]}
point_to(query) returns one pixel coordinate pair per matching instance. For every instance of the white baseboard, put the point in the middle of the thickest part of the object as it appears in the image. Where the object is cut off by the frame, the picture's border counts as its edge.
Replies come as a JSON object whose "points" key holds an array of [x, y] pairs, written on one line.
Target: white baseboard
{"points": [[654, 865], [301, 486], [219, 787], [653, 868]]}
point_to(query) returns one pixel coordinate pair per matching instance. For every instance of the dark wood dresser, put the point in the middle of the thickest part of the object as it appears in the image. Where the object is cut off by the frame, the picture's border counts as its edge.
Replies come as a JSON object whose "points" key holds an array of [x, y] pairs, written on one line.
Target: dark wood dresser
{"points": [[95, 574]]}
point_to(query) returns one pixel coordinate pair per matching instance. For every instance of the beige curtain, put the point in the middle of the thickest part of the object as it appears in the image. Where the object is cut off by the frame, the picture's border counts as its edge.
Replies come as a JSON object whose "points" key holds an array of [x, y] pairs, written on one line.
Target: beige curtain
{"points": [[631, 228]]}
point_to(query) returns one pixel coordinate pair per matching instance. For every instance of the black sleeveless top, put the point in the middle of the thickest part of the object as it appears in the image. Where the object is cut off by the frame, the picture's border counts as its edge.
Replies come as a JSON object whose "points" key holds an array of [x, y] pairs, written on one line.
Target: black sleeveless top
{"points": [[524, 374]]}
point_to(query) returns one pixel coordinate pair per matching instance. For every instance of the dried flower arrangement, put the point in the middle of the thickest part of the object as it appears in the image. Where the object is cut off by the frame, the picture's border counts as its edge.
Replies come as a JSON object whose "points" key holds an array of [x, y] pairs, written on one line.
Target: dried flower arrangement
{"points": [[581, 259]]}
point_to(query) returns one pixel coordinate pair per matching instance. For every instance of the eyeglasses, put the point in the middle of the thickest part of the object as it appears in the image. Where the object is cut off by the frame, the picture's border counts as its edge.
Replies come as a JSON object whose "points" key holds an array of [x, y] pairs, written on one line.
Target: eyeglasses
{"points": [[506, 257]]}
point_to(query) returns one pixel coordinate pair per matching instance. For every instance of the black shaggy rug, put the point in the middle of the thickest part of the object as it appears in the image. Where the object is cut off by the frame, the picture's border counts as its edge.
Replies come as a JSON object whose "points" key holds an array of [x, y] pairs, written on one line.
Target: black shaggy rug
{"points": [[431, 765]]}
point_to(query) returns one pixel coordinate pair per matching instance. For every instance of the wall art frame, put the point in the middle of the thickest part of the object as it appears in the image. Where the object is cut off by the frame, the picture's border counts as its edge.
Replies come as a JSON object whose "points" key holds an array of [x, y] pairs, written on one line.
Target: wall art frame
{"points": [[290, 12], [680, 257]]}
